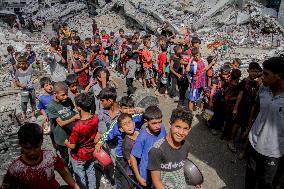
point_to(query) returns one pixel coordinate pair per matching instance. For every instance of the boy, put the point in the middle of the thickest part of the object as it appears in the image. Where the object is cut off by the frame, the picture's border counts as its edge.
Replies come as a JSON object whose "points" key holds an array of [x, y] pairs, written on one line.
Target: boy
{"points": [[147, 64], [11, 61], [23, 77], [35, 167], [81, 68], [162, 64], [217, 98], [73, 86], [81, 142], [236, 63], [245, 101], [266, 149], [170, 151], [129, 73], [196, 42], [31, 54], [177, 75], [62, 117], [147, 137], [231, 93], [126, 105], [88, 47], [127, 127], [197, 72], [45, 98]]}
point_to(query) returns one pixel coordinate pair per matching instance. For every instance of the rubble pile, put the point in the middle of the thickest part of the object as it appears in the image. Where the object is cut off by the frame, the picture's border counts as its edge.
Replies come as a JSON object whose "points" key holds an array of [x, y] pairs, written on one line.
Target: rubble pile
{"points": [[9, 148]]}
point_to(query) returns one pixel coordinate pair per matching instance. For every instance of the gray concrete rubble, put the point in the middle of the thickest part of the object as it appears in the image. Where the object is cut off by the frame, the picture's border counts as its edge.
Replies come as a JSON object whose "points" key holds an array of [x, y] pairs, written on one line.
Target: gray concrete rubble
{"points": [[251, 31]]}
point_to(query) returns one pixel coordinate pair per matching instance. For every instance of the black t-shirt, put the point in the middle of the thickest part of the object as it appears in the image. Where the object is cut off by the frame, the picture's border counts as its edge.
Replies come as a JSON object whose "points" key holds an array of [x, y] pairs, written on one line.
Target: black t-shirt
{"points": [[135, 46], [170, 161], [177, 65], [250, 89]]}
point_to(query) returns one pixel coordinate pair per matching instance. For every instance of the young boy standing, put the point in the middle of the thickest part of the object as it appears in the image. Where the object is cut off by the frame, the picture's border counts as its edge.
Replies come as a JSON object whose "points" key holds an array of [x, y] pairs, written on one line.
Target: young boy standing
{"points": [[162, 64], [166, 158], [147, 65], [197, 72], [45, 98], [62, 116], [23, 77], [147, 137], [81, 142], [129, 73], [127, 127], [35, 167]]}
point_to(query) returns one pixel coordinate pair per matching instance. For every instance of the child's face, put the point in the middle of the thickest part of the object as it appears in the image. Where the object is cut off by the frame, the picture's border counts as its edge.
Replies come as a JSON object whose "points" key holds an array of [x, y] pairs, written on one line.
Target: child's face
{"points": [[103, 33], [179, 130], [235, 65], [87, 44], [253, 73], [127, 126], [48, 87], [76, 55], [30, 152], [73, 34], [106, 103], [125, 109], [226, 76], [61, 96], [196, 45], [28, 49], [154, 125], [23, 65], [74, 88], [196, 57]]}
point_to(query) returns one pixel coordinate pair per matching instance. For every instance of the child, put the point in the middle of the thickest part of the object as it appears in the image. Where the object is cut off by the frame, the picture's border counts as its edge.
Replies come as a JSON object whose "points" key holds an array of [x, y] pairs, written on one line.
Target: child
{"points": [[88, 47], [147, 137], [217, 98], [245, 101], [126, 105], [11, 60], [197, 71], [147, 64], [231, 93], [62, 117], [171, 150], [162, 65], [236, 63], [196, 42], [176, 75], [31, 54], [81, 68], [23, 77], [129, 73], [45, 98], [35, 167], [81, 142], [127, 127], [73, 86]]}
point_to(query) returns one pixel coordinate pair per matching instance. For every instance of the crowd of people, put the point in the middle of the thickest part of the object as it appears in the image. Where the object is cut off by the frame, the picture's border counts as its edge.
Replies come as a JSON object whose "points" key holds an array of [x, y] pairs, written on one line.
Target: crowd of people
{"points": [[83, 114]]}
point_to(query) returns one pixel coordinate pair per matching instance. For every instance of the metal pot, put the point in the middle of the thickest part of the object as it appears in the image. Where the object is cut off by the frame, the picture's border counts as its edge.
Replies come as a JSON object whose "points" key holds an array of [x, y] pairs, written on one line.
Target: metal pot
{"points": [[193, 175], [25, 96]]}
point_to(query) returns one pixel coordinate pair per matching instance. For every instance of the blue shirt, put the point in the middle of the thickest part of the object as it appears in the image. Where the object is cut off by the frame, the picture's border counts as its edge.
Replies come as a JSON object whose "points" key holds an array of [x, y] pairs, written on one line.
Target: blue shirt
{"points": [[142, 146], [44, 100], [115, 133]]}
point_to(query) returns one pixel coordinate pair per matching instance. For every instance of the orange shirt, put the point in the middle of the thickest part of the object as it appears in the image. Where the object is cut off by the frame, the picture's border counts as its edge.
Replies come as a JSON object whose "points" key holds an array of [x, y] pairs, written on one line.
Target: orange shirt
{"points": [[146, 55]]}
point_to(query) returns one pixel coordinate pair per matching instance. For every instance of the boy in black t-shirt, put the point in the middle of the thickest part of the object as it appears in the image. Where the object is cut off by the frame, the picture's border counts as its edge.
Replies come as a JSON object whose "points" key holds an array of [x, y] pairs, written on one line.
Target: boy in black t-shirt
{"points": [[167, 156]]}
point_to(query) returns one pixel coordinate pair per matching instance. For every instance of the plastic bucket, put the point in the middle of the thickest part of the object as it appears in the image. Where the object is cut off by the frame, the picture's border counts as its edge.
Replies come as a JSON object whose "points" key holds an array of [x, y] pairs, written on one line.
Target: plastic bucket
{"points": [[25, 96], [103, 158]]}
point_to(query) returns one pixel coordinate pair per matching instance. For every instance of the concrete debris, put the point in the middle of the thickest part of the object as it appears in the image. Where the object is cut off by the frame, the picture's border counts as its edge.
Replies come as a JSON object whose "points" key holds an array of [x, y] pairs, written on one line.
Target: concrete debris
{"points": [[243, 18]]}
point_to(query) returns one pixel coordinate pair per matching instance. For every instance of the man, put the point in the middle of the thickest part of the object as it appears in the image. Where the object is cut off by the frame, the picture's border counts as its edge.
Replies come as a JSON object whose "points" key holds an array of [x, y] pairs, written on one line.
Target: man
{"points": [[266, 136]]}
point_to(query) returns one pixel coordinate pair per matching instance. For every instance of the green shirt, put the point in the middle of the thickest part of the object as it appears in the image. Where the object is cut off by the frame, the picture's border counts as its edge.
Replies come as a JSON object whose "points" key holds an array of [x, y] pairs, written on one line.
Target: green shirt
{"points": [[63, 110]]}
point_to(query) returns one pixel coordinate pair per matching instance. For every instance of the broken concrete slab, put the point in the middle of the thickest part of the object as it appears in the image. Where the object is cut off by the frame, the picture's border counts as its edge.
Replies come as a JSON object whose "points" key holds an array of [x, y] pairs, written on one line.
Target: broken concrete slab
{"points": [[242, 18]]}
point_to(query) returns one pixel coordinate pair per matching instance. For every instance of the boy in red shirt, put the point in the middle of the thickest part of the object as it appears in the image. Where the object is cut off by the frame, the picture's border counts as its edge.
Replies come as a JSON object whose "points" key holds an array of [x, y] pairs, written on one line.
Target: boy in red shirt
{"points": [[81, 68], [35, 167], [147, 65], [81, 142], [162, 64]]}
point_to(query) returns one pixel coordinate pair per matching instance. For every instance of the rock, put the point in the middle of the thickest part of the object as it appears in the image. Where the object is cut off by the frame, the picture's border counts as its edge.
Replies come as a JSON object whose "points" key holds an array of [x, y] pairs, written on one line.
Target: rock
{"points": [[242, 18]]}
